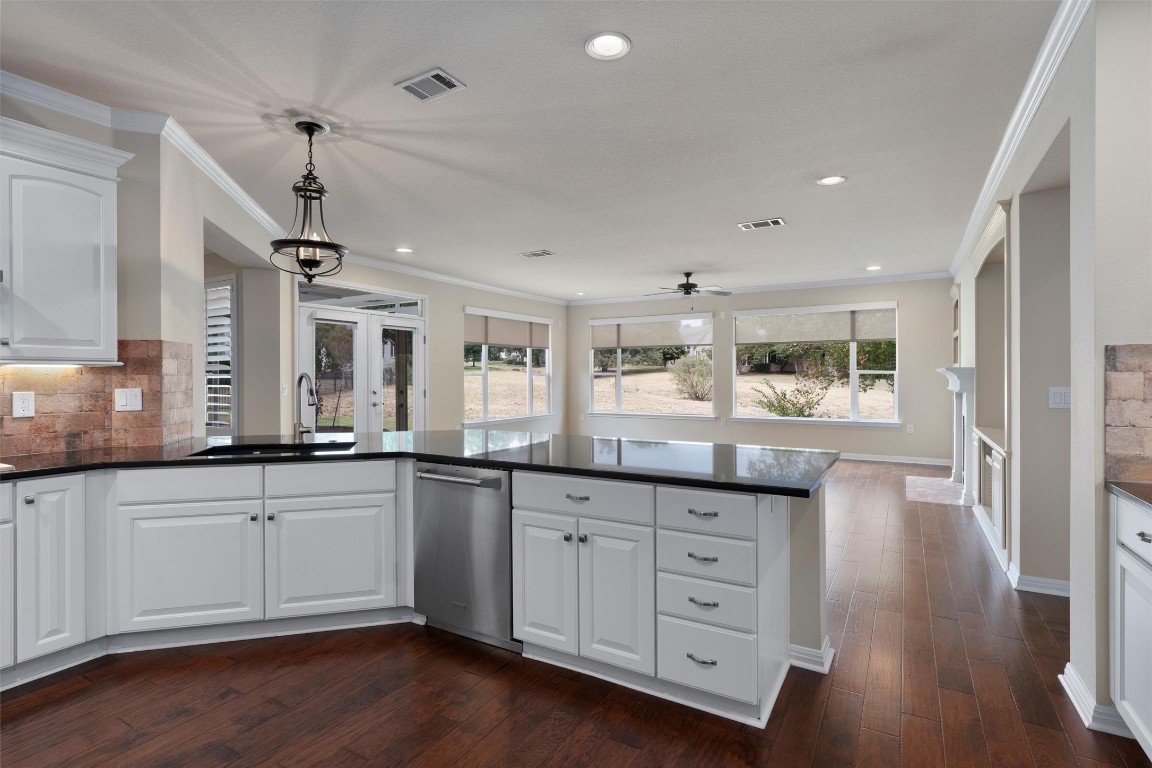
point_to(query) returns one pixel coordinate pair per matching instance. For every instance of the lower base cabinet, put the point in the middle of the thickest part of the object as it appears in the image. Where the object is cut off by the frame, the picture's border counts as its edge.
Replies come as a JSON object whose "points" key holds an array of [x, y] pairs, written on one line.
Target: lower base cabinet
{"points": [[1131, 621], [7, 593]]}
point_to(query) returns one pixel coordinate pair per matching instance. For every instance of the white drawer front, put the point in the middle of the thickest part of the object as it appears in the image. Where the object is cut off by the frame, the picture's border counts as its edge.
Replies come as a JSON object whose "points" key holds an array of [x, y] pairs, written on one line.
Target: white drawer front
{"points": [[6, 502], [724, 514], [607, 499], [139, 486], [322, 478], [707, 601], [1134, 528], [706, 556], [734, 672]]}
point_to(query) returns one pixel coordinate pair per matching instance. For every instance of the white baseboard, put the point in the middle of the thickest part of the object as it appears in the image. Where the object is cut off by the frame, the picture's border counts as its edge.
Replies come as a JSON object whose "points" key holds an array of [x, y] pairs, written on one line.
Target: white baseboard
{"points": [[896, 459], [1095, 716], [815, 659], [991, 534], [1039, 584]]}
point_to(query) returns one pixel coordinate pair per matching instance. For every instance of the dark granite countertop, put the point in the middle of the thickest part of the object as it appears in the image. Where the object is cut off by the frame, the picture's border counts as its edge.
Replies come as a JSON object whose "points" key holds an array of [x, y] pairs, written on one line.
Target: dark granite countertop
{"points": [[749, 468], [1141, 493]]}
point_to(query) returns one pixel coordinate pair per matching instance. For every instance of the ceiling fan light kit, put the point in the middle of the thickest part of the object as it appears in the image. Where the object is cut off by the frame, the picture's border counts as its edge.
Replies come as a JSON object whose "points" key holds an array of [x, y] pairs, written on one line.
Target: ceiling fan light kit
{"points": [[308, 250]]}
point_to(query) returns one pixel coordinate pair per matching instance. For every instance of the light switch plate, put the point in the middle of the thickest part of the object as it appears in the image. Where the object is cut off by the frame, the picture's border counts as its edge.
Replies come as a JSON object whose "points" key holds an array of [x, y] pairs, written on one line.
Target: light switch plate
{"points": [[1059, 397], [129, 399], [23, 405]]}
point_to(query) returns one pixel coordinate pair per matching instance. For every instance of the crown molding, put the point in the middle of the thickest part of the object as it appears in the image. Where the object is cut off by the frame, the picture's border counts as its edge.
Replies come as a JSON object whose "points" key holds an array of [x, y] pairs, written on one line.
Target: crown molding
{"points": [[46, 147], [440, 278], [48, 97], [1069, 16], [908, 278], [136, 121]]}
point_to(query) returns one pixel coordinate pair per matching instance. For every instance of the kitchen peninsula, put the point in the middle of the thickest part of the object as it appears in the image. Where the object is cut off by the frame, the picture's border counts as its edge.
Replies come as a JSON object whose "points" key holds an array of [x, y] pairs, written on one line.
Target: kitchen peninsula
{"points": [[748, 585]]}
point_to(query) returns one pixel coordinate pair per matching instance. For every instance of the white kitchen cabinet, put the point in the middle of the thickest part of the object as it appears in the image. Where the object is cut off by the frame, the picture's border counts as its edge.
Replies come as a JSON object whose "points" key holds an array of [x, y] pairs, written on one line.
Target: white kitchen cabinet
{"points": [[58, 261], [329, 553], [7, 579], [545, 610], [190, 563], [1131, 623], [50, 599], [617, 594]]}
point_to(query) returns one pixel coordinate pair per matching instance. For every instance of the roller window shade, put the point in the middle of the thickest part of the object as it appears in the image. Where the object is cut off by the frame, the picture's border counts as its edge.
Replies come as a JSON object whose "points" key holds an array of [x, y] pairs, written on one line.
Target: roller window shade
{"points": [[847, 325], [692, 332], [504, 332]]}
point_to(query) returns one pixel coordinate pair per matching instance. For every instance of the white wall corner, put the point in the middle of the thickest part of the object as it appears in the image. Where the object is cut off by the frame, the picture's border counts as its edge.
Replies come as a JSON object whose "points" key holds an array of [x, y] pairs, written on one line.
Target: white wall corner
{"points": [[815, 659], [1095, 716]]}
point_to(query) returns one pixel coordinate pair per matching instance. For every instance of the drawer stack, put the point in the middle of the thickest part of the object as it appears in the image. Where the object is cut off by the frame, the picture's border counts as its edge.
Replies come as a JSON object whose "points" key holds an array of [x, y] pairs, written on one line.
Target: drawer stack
{"points": [[706, 591]]}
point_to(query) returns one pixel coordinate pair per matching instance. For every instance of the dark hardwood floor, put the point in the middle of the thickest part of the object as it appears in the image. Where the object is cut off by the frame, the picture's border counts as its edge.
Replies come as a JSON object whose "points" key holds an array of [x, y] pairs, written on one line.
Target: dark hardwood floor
{"points": [[939, 663]]}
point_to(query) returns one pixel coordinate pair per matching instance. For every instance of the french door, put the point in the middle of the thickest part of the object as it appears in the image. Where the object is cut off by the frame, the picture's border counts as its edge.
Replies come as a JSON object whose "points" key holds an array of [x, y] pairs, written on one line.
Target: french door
{"points": [[368, 369]]}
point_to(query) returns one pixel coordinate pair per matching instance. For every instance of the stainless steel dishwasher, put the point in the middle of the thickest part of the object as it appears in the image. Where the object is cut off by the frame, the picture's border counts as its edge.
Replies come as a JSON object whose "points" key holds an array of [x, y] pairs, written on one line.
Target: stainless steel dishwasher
{"points": [[463, 551]]}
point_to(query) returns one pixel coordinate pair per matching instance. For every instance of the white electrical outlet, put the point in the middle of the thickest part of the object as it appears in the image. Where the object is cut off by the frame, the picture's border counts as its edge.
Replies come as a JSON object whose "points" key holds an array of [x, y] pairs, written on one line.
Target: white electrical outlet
{"points": [[23, 405], [910, 429]]}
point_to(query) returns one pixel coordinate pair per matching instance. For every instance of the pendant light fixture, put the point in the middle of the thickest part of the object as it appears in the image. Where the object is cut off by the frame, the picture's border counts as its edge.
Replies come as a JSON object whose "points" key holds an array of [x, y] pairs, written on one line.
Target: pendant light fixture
{"points": [[308, 250]]}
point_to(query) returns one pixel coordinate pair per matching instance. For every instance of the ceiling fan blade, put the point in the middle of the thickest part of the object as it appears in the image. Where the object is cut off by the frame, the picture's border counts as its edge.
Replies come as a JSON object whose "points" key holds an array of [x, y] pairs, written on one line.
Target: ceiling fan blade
{"points": [[717, 291], [663, 293]]}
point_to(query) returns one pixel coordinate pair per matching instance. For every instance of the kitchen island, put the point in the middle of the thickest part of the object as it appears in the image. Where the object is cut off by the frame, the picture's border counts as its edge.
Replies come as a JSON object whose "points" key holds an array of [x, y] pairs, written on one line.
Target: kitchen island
{"points": [[749, 519]]}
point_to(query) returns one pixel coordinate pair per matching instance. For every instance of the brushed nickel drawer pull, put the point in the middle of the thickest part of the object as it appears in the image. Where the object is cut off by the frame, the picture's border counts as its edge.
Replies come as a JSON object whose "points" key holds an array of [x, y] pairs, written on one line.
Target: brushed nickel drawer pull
{"points": [[698, 513], [702, 559], [704, 603], [702, 662], [574, 497], [1144, 537]]}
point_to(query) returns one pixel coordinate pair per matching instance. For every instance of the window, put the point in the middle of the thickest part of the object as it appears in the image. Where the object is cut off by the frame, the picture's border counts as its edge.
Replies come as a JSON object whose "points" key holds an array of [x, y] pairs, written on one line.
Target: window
{"points": [[219, 353], [652, 365], [817, 362], [507, 366]]}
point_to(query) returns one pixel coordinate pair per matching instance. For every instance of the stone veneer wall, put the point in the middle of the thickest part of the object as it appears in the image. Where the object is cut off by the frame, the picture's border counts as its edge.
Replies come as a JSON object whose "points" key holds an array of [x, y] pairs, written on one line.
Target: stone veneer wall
{"points": [[1128, 413], [75, 407]]}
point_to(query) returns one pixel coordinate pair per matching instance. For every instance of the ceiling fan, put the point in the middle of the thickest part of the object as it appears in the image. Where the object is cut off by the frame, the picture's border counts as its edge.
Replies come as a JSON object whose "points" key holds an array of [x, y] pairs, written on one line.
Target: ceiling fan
{"points": [[687, 288]]}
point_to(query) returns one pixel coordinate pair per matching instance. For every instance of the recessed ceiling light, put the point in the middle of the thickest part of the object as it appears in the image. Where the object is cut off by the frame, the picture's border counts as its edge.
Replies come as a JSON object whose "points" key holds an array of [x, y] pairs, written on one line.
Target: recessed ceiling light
{"points": [[873, 268], [403, 250], [607, 45], [831, 181], [579, 293]]}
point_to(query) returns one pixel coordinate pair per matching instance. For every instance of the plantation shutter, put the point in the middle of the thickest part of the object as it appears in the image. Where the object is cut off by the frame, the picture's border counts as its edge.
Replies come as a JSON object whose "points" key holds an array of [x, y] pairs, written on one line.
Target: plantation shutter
{"points": [[218, 351]]}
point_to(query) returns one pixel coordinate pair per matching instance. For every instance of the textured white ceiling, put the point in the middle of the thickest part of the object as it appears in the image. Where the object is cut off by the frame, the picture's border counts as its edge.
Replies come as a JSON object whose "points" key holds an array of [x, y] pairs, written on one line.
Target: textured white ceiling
{"points": [[631, 171]]}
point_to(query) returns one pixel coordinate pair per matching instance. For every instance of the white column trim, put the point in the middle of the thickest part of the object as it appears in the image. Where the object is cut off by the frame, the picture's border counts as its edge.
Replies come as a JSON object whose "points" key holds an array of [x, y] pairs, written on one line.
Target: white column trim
{"points": [[1095, 716]]}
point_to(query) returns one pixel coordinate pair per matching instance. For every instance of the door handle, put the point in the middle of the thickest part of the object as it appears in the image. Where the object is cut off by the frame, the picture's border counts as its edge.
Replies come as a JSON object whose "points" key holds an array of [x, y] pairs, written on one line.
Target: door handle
{"points": [[476, 482]]}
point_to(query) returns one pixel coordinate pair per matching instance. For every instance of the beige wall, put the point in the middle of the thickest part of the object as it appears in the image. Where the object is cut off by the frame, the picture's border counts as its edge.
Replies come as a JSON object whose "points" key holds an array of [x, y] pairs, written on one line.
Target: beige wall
{"points": [[925, 344], [1042, 336], [990, 333]]}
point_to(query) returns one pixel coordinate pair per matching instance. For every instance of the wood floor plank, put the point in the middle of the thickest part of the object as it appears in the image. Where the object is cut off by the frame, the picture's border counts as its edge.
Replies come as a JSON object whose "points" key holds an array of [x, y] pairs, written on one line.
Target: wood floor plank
{"points": [[839, 729], [978, 641], [882, 696], [850, 668], [1003, 732], [1028, 687], [890, 586], [877, 750], [921, 695], [963, 735], [951, 661], [922, 743], [1050, 748]]}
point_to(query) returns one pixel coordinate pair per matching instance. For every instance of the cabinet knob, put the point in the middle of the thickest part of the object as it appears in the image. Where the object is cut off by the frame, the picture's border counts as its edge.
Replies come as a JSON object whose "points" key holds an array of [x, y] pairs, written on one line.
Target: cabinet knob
{"points": [[29, 499], [702, 662], [271, 516], [567, 537], [583, 538], [702, 558], [1144, 537], [253, 517]]}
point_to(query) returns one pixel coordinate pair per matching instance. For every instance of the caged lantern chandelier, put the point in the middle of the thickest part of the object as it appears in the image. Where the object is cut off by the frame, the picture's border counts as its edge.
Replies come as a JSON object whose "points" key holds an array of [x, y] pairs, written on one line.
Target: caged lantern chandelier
{"points": [[308, 250]]}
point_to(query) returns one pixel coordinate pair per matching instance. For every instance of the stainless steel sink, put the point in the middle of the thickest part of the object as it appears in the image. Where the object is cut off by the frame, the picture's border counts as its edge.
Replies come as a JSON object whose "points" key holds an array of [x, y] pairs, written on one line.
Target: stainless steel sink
{"points": [[274, 449]]}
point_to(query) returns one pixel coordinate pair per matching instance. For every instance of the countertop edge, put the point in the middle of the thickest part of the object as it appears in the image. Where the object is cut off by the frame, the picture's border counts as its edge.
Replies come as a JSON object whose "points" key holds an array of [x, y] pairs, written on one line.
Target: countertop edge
{"points": [[637, 477], [1140, 493]]}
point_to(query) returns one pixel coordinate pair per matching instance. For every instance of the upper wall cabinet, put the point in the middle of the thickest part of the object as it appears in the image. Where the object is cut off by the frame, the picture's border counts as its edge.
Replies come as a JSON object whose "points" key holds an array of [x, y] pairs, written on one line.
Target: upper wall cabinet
{"points": [[58, 280]]}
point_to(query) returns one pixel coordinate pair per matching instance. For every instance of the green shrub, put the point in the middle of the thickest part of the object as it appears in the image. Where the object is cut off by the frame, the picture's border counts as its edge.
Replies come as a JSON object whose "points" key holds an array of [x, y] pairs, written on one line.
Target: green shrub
{"points": [[693, 377], [800, 402]]}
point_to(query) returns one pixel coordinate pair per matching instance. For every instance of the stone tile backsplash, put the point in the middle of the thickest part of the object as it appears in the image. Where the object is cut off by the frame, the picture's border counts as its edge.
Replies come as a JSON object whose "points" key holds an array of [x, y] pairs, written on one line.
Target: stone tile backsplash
{"points": [[75, 407], [1128, 413]]}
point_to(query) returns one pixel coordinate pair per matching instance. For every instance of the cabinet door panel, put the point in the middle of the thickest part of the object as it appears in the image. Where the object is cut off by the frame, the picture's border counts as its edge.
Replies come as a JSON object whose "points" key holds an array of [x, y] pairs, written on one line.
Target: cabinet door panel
{"points": [[330, 554], [7, 596], [544, 606], [618, 595], [59, 297], [182, 565], [1132, 688], [50, 599]]}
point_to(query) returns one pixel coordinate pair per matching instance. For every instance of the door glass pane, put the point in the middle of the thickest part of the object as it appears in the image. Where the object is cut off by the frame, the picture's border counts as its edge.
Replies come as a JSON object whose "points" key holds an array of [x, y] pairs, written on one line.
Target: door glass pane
{"points": [[397, 398], [335, 376]]}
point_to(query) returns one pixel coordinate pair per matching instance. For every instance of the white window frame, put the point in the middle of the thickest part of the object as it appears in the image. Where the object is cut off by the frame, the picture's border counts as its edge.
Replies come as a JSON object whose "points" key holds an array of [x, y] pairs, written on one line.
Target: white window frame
{"points": [[531, 372], [230, 282], [619, 373], [853, 372]]}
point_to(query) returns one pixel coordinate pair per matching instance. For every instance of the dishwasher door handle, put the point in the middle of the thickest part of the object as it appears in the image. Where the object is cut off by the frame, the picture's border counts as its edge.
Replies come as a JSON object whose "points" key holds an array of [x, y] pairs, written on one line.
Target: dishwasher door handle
{"points": [[474, 482]]}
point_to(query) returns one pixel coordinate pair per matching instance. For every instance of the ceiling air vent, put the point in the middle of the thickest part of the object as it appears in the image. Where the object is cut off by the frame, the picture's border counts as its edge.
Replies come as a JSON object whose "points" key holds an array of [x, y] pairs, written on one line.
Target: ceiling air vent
{"points": [[762, 224], [535, 254], [431, 85]]}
